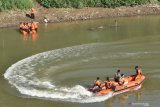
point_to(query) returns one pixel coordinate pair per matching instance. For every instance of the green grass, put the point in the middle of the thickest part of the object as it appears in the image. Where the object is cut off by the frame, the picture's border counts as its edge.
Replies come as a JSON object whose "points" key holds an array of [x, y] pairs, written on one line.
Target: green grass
{"points": [[15, 4], [90, 3]]}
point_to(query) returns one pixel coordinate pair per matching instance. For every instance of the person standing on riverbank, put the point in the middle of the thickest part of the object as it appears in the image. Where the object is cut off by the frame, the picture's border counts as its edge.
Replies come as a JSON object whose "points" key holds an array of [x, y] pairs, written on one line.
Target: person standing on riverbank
{"points": [[32, 11]]}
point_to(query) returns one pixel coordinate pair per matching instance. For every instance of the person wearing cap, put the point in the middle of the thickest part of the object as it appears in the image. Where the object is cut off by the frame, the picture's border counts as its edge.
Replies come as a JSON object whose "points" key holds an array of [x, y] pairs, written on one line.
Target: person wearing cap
{"points": [[138, 73], [117, 76]]}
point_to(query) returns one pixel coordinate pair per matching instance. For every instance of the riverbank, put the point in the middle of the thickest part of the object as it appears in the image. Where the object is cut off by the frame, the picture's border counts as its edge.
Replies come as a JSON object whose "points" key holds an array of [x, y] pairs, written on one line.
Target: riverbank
{"points": [[12, 18]]}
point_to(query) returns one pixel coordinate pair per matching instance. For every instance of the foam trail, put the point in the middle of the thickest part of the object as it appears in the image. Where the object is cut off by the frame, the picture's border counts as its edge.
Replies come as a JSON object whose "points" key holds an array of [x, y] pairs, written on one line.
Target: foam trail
{"points": [[24, 74]]}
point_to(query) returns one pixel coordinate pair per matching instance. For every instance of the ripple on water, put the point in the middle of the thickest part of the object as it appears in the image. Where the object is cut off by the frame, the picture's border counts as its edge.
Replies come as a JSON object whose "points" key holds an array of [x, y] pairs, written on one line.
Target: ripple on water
{"points": [[26, 75]]}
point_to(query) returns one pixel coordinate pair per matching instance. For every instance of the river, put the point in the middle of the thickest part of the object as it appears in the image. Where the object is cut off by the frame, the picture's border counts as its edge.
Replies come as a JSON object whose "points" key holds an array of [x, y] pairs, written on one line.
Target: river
{"points": [[54, 68]]}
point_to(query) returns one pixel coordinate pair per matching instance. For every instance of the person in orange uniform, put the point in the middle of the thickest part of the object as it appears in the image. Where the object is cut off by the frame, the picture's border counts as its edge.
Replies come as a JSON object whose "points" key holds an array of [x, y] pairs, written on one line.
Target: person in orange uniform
{"points": [[29, 27], [109, 84], [97, 82], [33, 27], [36, 27], [138, 73], [32, 16], [97, 85], [24, 29], [104, 85]]}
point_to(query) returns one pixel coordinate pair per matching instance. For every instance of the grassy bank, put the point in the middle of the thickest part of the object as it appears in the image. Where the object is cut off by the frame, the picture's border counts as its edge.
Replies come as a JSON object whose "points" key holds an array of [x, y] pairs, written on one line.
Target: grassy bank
{"points": [[90, 3], [15, 4]]}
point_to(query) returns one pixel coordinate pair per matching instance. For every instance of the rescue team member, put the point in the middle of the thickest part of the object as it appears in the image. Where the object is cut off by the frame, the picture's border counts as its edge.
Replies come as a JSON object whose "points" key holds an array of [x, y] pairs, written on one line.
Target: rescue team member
{"points": [[32, 16], [138, 73], [22, 28], [117, 76], [97, 85], [97, 82], [28, 27], [107, 84], [25, 27], [34, 27]]}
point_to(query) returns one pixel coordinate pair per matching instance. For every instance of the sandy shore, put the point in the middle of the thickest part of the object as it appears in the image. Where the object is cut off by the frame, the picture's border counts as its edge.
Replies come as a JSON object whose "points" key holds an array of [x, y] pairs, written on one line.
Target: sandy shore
{"points": [[12, 18]]}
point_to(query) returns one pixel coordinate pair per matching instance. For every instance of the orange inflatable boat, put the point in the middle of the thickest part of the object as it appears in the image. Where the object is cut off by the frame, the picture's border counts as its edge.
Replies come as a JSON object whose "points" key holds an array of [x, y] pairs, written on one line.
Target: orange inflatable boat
{"points": [[130, 85]]}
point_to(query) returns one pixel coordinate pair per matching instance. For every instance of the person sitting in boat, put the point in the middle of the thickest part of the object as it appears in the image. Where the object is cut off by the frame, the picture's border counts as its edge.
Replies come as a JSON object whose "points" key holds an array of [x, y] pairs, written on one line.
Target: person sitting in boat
{"points": [[138, 73], [25, 27], [117, 76], [97, 85], [123, 81], [105, 84], [109, 84]]}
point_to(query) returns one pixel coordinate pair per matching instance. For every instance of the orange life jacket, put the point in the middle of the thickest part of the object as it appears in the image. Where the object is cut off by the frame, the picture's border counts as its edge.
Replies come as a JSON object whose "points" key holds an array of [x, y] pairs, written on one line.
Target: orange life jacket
{"points": [[97, 83], [108, 84], [32, 26]]}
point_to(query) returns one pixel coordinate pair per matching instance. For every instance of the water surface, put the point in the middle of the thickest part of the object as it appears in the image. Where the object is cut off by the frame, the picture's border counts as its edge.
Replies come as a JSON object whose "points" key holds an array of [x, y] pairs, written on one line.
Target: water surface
{"points": [[56, 67]]}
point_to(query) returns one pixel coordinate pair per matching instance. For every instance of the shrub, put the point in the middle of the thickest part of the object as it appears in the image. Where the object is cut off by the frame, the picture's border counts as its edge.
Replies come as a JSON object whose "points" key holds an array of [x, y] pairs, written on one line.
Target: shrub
{"points": [[15, 4], [90, 3]]}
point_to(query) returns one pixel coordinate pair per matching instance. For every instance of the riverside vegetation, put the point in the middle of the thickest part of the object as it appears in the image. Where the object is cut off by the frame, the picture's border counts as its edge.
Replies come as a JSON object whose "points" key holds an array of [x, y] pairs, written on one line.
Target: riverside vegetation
{"points": [[15, 4], [90, 3], [66, 10], [25, 4]]}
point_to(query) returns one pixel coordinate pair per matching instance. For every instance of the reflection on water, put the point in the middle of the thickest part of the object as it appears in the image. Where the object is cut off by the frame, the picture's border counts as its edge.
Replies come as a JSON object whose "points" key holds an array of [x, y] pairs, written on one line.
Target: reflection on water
{"points": [[109, 102], [33, 36], [138, 94], [122, 98]]}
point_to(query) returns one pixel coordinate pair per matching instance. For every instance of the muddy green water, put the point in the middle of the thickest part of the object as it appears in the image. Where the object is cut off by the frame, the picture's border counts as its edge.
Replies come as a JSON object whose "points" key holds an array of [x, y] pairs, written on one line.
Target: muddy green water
{"points": [[74, 55]]}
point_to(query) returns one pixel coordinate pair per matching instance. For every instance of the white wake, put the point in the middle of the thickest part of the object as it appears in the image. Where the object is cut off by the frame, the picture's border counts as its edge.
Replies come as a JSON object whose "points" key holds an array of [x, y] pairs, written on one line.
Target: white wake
{"points": [[23, 74]]}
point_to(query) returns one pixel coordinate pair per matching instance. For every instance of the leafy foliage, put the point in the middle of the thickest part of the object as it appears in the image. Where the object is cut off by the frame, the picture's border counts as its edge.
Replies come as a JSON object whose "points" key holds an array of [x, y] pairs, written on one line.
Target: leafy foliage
{"points": [[90, 3], [15, 4]]}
